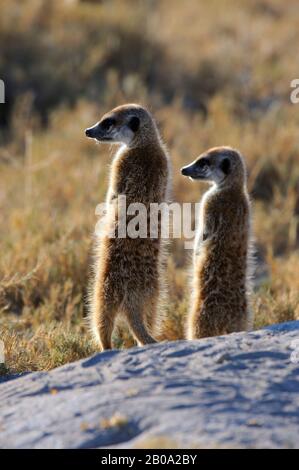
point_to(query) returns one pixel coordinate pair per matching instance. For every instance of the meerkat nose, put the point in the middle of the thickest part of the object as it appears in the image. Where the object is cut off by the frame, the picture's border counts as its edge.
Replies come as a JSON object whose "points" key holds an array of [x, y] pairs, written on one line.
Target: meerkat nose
{"points": [[184, 171], [88, 132]]}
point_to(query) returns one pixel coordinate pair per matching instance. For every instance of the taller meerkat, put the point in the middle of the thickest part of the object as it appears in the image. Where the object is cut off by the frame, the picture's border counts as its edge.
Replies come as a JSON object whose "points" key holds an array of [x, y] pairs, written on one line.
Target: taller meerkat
{"points": [[222, 261], [128, 271]]}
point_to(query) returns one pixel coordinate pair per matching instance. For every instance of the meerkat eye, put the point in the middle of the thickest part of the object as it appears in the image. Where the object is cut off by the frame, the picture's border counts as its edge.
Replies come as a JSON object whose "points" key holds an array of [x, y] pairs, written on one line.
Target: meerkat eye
{"points": [[203, 162], [108, 123], [225, 166], [134, 123]]}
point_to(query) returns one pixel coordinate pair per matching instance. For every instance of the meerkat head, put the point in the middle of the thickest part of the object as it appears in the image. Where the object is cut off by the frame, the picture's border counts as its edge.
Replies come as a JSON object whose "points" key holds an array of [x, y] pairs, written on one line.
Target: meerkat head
{"points": [[130, 124], [220, 165]]}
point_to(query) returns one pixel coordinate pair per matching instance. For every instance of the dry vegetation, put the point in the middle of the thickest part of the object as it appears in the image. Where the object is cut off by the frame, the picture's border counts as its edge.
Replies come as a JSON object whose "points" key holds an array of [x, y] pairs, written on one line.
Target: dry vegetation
{"points": [[213, 73]]}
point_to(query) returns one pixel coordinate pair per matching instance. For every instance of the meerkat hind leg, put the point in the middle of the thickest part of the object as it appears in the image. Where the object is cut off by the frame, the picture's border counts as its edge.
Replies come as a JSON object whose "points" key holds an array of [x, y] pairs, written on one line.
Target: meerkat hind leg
{"points": [[105, 326], [151, 315], [135, 317]]}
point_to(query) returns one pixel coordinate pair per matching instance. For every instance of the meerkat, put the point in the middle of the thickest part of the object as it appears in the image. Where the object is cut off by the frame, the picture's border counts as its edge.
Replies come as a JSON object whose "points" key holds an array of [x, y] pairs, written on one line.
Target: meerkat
{"points": [[129, 272], [222, 263]]}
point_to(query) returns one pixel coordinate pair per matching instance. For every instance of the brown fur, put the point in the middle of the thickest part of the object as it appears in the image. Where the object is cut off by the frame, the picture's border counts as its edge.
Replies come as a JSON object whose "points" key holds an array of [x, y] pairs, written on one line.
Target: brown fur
{"points": [[129, 272], [222, 252]]}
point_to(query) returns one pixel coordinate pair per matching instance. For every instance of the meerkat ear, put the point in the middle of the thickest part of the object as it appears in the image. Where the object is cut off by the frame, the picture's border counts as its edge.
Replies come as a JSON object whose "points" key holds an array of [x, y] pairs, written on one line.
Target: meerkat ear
{"points": [[225, 166], [134, 123]]}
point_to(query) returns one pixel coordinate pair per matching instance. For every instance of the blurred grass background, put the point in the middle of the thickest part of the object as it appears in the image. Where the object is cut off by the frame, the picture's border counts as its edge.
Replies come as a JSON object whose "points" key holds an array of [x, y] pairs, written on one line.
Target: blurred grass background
{"points": [[213, 73]]}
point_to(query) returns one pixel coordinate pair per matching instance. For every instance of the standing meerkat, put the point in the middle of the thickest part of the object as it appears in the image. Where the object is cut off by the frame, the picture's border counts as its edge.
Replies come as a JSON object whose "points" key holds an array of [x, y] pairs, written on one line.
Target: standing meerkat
{"points": [[222, 254], [128, 275]]}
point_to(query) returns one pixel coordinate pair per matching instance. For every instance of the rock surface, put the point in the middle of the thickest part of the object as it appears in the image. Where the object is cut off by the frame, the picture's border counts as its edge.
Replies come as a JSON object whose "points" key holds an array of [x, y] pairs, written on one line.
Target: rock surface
{"points": [[240, 390]]}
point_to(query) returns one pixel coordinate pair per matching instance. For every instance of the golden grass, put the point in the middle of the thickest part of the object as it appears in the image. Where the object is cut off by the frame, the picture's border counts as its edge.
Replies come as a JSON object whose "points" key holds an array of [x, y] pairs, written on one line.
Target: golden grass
{"points": [[229, 85]]}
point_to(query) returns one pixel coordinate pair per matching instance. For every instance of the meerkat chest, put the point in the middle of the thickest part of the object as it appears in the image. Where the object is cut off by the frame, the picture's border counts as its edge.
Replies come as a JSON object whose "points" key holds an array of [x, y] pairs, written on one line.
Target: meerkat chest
{"points": [[139, 174], [201, 233]]}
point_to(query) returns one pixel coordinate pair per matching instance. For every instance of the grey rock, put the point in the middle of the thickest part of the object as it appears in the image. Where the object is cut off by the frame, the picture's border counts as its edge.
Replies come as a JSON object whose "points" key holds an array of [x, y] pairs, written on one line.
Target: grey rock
{"points": [[239, 390]]}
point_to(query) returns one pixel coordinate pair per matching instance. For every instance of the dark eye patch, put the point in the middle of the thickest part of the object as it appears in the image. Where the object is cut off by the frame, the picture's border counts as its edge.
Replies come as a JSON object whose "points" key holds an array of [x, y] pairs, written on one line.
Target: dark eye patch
{"points": [[203, 162], [134, 123], [107, 123], [225, 166]]}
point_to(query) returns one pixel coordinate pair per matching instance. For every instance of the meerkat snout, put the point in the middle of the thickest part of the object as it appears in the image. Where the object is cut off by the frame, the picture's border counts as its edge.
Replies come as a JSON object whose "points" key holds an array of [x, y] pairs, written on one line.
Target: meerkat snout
{"points": [[199, 169], [102, 131], [90, 132], [119, 128]]}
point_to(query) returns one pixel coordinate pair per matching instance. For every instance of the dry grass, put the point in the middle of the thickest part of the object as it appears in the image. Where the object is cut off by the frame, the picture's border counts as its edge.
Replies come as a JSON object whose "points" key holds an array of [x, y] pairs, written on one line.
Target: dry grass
{"points": [[210, 78]]}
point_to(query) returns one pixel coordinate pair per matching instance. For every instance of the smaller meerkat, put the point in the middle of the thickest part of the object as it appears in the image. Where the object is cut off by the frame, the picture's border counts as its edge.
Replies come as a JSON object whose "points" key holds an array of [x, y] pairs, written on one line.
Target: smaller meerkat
{"points": [[222, 250], [129, 271]]}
